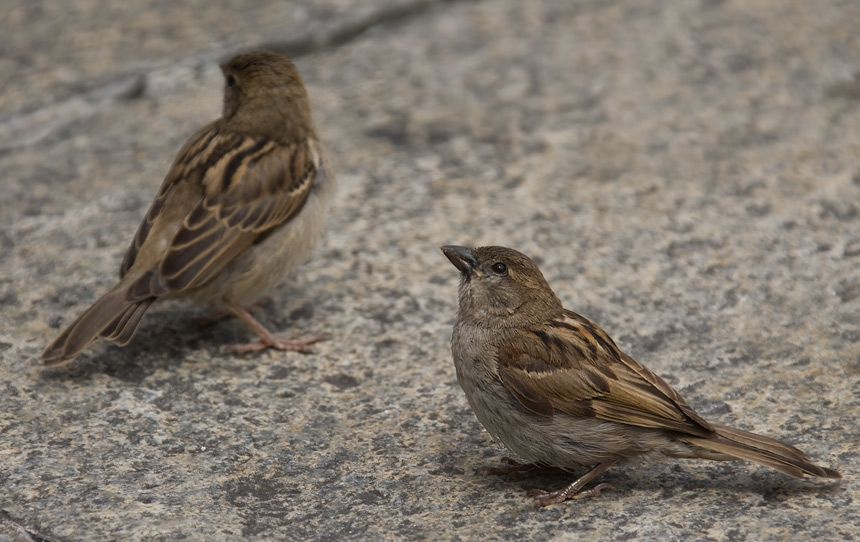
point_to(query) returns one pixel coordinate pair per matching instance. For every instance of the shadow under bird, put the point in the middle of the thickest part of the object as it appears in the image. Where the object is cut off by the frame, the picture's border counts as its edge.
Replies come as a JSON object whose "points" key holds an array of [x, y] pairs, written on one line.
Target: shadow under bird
{"points": [[555, 389], [243, 204]]}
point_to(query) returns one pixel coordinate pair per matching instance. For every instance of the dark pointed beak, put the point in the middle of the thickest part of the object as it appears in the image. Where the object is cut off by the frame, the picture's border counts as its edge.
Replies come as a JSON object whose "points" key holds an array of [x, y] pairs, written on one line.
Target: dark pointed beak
{"points": [[463, 258]]}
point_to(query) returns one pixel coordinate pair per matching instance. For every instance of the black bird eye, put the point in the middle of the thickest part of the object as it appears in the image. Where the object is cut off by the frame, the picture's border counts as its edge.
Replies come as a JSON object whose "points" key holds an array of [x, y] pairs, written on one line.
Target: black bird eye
{"points": [[499, 268], [231, 80]]}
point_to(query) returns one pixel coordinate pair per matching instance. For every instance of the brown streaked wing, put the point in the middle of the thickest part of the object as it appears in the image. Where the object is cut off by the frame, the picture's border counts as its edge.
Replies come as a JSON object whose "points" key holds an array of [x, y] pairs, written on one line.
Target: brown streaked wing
{"points": [[258, 186], [545, 375], [526, 395], [654, 382], [576, 367], [188, 166]]}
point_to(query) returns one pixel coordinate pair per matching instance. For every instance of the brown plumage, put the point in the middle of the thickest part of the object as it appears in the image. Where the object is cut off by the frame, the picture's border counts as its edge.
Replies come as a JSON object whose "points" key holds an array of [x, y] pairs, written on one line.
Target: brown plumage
{"points": [[557, 391], [243, 203]]}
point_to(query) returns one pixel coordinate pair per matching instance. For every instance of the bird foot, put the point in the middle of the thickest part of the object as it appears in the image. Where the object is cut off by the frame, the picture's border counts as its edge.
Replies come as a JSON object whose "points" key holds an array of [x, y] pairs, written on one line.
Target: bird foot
{"points": [[267, 340], [574, 490], [546, 498], [291, 345]]}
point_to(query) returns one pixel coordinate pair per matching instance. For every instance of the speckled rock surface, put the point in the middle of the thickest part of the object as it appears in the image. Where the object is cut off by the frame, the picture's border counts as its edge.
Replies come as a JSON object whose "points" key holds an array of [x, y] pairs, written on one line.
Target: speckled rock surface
{"points": [[686, 173]]}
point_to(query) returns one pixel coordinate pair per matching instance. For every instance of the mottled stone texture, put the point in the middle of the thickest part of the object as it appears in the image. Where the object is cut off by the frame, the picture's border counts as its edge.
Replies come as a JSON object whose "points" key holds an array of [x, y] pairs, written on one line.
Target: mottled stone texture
{"points": [[687, 173]]}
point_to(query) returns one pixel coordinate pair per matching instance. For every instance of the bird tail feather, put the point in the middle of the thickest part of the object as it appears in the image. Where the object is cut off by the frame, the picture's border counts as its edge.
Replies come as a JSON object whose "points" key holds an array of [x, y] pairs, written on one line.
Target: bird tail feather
{"points": [[730, 444], [112, 317]]}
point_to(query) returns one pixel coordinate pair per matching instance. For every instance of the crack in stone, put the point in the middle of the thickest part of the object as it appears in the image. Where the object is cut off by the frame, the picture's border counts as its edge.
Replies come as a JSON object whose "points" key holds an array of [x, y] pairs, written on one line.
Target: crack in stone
{"points": [[34, 127]]}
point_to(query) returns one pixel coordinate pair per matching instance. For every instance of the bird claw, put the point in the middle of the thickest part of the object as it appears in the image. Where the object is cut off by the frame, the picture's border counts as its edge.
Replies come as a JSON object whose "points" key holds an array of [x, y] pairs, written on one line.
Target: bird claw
{"points": [[593, 492], [546, 498], [291, 345]]}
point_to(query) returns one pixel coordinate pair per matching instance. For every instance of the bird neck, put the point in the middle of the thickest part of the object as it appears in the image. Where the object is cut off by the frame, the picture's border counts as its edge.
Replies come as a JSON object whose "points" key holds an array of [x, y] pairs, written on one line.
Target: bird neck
{"points": [[522, 312], [279, 119]]}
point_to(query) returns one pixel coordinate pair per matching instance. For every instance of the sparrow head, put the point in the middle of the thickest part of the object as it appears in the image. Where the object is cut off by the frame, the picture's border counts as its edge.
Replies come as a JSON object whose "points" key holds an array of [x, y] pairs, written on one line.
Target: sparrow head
{"points": [[263, 93], [501, 287]]}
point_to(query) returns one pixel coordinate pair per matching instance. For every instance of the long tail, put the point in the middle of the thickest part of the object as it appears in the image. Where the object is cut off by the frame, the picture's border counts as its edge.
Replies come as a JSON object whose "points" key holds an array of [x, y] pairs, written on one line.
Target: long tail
{"points": [[730, 443], [111, 317]]}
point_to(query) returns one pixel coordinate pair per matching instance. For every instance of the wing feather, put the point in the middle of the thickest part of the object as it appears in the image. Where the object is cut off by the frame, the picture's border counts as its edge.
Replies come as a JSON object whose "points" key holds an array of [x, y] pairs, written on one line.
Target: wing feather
{"points": [[226, 192], [571, 365]]}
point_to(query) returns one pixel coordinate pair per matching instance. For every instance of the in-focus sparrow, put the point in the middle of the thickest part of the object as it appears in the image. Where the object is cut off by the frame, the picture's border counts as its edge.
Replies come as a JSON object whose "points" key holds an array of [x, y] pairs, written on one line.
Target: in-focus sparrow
{"points": [[243, 203], [556, 390]]}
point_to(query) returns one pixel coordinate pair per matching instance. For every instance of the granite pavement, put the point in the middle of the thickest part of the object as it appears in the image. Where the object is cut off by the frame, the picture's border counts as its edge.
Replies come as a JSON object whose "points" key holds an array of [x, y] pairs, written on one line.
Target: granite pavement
{"points": [[686, 173]]}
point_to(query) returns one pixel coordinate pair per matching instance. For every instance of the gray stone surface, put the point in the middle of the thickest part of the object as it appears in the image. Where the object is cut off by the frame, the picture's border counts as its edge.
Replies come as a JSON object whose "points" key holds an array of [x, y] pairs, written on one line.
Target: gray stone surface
{"points": [[687, 173]]}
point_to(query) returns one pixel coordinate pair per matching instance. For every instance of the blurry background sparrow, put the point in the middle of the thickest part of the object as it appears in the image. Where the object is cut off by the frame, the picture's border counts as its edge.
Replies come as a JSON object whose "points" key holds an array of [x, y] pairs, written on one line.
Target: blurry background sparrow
{"points": [[243, 203], [557, 391]]}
